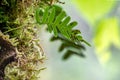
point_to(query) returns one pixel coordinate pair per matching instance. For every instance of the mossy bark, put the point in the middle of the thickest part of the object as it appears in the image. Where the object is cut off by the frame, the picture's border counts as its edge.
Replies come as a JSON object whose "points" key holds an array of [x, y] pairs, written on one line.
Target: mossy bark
{"points": [[7, 55], [17, 24]]}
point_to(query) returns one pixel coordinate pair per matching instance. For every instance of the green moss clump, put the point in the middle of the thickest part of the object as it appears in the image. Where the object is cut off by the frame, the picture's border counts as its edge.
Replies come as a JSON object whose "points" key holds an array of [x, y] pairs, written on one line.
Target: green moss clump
{"points": [[17, 25]]}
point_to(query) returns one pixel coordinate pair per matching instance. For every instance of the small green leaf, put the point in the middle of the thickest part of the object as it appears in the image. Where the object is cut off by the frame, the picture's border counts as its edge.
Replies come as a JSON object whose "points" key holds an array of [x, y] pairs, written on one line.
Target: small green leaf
{"points": [[55, 31], [72, 24], [59, 18], [67, 55], [58, 9], [51, 16], [65, 21], [62, 47], [38, 14], [63, 26], [45, 15], [51, 19], [86, 42]]}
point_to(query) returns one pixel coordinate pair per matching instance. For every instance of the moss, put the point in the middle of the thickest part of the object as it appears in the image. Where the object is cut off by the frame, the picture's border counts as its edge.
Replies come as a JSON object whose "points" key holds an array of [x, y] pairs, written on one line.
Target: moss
{"points": [[17, 26]]}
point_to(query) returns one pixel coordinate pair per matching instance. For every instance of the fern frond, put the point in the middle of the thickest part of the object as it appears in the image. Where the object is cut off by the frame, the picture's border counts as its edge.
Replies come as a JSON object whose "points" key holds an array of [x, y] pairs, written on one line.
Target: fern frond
{"points": [[58, 22], [70, 47]]}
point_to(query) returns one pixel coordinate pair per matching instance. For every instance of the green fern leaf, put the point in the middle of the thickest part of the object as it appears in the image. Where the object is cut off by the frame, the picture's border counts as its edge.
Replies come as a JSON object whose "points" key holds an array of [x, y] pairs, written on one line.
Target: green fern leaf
{"points": [[58, 22], [38, 14], [51, 19], [45, 15], [63, 26]]}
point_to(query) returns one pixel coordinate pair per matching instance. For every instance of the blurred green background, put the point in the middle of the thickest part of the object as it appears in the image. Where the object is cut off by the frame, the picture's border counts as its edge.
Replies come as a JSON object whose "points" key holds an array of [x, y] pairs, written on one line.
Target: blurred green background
{"points": [[99, 22]]}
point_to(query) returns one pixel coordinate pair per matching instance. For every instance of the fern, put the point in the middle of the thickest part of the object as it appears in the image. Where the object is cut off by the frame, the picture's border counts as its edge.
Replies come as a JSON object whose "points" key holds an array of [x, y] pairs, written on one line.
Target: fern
{"points": [[59, 23], [70, 47]]}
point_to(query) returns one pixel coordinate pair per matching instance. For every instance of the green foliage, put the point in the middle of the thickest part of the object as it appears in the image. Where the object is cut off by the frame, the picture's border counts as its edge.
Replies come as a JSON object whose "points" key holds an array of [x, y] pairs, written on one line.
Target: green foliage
{"points": [[107, 34], [70, 47], [59, 23], [93, 10]]}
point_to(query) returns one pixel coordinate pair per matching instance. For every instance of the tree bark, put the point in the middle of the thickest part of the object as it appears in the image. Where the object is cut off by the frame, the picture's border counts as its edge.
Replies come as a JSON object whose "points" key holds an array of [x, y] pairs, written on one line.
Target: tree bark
{"points": [[7, 55]]}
